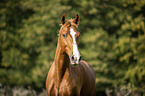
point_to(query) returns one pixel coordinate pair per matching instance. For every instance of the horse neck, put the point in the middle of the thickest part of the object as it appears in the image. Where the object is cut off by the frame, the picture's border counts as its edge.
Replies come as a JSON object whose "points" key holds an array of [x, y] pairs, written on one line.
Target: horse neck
{"points": [[62, 62]]}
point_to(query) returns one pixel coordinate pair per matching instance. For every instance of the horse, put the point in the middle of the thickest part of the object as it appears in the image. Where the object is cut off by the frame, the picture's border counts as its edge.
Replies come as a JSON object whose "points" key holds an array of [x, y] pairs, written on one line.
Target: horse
{"points": [[69, 75]]}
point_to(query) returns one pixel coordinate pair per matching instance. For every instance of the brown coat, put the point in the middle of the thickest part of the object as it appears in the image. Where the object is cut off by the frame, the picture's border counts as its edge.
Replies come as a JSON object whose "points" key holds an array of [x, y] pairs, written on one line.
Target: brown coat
{"points": [[65, 79]]}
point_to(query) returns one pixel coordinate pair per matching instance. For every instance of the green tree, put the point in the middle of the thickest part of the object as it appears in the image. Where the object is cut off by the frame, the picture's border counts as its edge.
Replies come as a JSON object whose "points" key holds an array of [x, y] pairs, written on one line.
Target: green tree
{"points": [[11, 53], [112, 40]]}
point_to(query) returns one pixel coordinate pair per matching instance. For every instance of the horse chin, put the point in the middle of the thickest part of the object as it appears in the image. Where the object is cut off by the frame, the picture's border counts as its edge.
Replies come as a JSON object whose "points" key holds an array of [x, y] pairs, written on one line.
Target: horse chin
{"points": [[74, 63]]}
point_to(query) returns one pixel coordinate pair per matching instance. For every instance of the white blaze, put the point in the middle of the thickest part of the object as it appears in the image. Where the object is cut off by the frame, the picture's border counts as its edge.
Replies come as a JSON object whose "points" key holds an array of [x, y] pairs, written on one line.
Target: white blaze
{"points": [[75, 47]]}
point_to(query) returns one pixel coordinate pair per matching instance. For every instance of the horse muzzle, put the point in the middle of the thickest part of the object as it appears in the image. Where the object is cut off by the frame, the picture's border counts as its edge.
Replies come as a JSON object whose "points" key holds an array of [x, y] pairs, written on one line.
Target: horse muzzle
{"points": [[75, 59]]}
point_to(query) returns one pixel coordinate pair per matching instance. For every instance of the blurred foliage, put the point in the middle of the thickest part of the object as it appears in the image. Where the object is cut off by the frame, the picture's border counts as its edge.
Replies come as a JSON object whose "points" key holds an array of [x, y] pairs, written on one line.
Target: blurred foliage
{"points": [[112, 40]]}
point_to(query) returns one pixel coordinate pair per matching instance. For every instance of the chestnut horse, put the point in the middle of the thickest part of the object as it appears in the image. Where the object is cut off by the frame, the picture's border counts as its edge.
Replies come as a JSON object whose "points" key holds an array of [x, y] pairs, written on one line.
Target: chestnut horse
{"points": [[69, 75]]}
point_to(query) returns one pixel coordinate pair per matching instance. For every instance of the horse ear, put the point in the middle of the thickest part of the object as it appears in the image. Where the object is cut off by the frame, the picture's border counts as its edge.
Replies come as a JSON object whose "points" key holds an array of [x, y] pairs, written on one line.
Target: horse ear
{"points": [[63, 18], [76, 20]]}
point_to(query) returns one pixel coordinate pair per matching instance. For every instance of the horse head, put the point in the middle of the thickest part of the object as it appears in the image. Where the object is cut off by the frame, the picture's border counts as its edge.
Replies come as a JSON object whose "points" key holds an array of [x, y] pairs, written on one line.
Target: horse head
{"points": [[69, 38]]}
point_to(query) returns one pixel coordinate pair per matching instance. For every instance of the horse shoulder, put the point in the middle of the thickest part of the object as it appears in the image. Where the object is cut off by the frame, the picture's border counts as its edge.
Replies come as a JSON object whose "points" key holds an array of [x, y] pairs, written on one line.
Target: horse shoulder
{"points": [[87, 67], [89, 84]]}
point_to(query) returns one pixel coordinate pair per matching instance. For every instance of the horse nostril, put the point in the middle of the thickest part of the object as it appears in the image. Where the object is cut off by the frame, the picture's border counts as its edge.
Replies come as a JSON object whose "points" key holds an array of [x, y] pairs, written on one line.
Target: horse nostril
{"points": [[72, 57], [80, 58]]}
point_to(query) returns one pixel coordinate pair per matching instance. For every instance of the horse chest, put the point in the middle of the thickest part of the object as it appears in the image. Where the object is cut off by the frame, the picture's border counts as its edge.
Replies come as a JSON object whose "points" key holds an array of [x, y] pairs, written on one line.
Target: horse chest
{"points": [[66, 88]]}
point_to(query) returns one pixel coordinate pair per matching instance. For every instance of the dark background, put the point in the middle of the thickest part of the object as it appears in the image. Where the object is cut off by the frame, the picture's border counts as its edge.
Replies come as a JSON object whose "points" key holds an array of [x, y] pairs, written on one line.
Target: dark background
{"points": [[112, 41]]}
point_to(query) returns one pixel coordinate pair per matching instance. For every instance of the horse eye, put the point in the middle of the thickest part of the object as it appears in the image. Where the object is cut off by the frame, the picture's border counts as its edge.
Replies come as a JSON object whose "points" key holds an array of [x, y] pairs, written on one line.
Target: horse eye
{"points": [[64, 35]]}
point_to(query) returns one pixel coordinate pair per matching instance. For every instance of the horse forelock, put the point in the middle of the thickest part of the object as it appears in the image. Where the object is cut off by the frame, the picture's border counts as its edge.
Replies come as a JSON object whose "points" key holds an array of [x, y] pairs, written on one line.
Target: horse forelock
{"points": [[69, 23]]}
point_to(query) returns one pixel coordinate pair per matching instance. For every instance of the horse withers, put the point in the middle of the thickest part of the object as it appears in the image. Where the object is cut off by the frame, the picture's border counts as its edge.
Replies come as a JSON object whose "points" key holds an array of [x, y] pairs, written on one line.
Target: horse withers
{"points": [[69, 75]]}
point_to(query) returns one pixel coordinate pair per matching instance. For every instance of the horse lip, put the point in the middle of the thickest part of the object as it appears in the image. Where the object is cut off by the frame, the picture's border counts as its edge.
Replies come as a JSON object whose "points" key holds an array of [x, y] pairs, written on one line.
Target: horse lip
{"points": [[74, 64]]}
